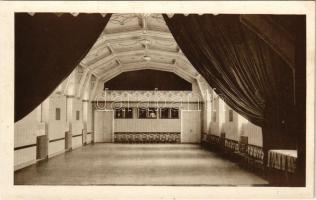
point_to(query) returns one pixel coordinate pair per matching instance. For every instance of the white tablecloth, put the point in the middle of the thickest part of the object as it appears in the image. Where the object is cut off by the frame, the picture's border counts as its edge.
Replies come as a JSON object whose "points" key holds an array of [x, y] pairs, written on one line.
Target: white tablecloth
{"points": [[282, 159]]}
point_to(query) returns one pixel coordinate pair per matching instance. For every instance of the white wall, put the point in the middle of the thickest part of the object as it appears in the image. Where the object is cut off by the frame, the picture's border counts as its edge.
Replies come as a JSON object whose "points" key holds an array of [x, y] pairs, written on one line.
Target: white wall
{"points": [[233, 129], [43, 121], [76, 125], [253, 132], [89, 118], [56, 128], [191, 126], [25, 133], [230, 128], [217, 127], [147, 125]]}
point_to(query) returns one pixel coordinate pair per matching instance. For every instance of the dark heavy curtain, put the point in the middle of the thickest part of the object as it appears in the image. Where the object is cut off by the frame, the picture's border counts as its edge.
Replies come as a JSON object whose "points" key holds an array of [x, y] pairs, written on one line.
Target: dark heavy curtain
{"points": [[47, 49], [150, 79], [248, 75]]}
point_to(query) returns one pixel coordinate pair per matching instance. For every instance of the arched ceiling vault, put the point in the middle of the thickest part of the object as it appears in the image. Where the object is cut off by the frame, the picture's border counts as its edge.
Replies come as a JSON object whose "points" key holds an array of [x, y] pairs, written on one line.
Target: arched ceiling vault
{"points": [[136, 41]]}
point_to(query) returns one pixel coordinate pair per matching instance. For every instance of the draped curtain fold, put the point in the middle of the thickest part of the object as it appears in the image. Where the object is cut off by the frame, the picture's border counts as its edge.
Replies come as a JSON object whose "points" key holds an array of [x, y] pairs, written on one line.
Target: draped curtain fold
{"points": [[47, 49], [247, 74]]}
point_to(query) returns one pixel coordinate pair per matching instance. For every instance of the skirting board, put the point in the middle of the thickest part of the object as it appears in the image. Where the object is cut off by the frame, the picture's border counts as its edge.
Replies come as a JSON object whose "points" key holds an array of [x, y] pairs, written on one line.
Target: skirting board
{"points": [[25, 164]]}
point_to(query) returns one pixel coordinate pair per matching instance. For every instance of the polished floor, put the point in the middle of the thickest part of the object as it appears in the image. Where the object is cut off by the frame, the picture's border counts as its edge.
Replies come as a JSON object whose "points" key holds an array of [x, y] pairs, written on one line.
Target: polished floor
{"points": [[137, 164]]}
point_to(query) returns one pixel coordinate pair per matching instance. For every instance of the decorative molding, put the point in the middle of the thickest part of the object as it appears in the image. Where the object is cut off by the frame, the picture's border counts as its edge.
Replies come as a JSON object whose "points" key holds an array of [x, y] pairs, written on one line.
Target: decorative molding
{"points": [[152, 96], [122, 19], [159, 18]]}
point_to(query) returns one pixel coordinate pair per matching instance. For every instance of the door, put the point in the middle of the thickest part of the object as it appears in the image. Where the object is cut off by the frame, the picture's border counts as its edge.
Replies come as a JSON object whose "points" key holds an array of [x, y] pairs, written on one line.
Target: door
{"points": [[103, 126], [98, 126], [108, 126], [190, 126]]}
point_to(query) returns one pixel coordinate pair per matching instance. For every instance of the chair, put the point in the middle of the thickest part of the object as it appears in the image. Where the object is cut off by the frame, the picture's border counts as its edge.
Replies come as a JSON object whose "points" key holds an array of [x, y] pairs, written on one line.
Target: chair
{"points": [[222, 143], [155, 137], [242, 153], [144, 137], [173, 137], [258, 156], [168, 137], [151, 138], [124, 138], [115, 137], [178, 137], [162, 137], [231, 148], [136, 138], [140, 137]]}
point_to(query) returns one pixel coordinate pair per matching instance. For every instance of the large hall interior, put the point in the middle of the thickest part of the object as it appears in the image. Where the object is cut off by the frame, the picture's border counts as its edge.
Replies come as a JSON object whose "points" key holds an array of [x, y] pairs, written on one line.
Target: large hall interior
{"points": [[160, 99]]}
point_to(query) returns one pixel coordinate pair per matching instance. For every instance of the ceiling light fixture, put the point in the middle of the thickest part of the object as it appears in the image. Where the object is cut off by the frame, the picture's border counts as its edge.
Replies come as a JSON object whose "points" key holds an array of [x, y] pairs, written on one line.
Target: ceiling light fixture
{"points": [[144, 41], [147, 58]]}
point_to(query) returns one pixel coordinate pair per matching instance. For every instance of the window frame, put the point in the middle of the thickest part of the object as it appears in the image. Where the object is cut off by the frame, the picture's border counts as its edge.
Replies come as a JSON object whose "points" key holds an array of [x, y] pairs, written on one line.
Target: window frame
{"points": [[230, 115], [57, 114], [171, 116], [168, 113], [77, 115], [124, 113], [147, 111]]}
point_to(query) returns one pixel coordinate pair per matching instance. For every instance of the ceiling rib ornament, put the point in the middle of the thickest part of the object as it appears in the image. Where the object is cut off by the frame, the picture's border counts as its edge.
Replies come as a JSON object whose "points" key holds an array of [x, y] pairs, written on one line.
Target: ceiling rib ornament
{"points": [[134, 42], [121, 19]]}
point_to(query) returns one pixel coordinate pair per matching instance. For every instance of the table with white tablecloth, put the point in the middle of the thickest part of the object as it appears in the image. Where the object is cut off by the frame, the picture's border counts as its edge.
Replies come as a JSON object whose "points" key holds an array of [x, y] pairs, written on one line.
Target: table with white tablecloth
{"points": [[282, 159]]}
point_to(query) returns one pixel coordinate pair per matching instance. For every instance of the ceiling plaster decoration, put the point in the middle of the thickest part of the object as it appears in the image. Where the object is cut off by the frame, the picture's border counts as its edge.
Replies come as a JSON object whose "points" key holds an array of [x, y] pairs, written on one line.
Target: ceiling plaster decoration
{"points": [[160, 96], [136, 41], [122, 19], [158, 18]]}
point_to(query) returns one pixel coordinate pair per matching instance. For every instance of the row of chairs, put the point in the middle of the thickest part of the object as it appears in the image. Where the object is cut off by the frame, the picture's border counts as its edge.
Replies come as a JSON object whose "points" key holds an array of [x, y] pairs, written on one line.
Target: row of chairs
{"points": [[247, 155], [158, 137]]}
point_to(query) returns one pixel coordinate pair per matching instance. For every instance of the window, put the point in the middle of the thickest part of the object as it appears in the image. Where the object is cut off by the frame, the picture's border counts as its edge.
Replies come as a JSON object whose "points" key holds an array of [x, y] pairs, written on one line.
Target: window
{"points": [[231, 115], [147, 113], [169, 113], [152, 113], [164, 113], [57, 114], [174, 113], [77, 115], [124, 113], [142, 113]]}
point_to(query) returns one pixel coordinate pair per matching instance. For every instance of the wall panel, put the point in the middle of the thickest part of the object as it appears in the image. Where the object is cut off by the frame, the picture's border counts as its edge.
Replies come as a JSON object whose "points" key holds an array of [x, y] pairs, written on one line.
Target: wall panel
{"points": [[56, 128], [25, 133], [55, 148], [147, 125], [24, 157]]}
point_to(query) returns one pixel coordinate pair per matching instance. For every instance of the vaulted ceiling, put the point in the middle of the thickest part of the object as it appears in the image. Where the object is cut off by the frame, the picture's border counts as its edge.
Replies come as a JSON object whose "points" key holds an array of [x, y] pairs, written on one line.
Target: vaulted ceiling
{"points": [[136, 41]]}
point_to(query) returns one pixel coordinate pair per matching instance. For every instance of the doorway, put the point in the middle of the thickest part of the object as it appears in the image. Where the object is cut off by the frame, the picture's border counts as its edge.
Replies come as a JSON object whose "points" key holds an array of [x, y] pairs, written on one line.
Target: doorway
{"points": [[190, 126], [103, 125]]}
